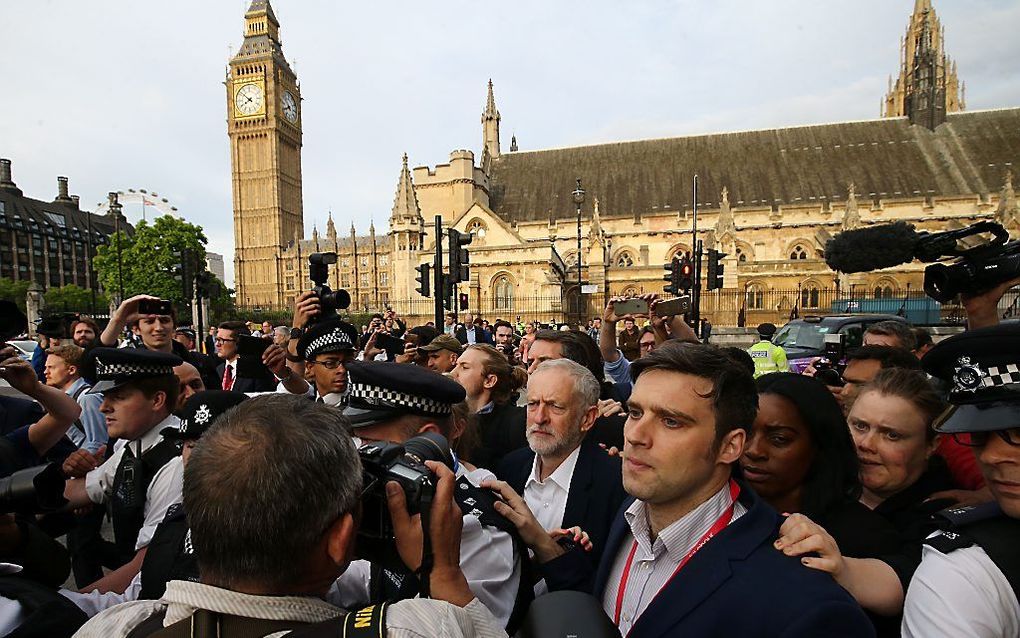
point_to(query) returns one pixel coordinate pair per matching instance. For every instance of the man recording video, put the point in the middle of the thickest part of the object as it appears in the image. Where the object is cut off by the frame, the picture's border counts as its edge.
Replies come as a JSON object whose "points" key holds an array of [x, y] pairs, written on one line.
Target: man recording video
{"points": [[393, 402]]}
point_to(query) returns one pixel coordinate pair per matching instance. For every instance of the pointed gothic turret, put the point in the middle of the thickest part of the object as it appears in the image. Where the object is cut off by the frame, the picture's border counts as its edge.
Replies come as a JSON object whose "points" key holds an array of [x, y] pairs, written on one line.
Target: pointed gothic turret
{"points": [[725, 223], [851, 216], [928, 87], [513, 143], [1008, 211], [405, 202], [330, 228], [490, 125]]}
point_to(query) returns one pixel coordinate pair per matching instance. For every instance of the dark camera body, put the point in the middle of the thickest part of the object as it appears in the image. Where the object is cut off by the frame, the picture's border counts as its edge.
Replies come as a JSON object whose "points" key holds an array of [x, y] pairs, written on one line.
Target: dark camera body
{"points": [[57, 326], [35, 490], [382, 462], [329, 301], [829, 369], [157, 307], [978, 269]]}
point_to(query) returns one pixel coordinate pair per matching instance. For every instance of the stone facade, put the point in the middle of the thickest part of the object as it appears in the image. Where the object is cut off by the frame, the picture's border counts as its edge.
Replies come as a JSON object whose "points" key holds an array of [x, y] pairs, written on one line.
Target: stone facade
{"points": [[768, 199]]}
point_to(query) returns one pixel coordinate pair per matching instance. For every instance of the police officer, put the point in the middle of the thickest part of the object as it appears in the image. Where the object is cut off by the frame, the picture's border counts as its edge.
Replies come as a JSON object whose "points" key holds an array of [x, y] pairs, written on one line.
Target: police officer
{"points": [[326, 348], [170, 555], [138, 482], [767, 356], [969, 577], [393, 402]]}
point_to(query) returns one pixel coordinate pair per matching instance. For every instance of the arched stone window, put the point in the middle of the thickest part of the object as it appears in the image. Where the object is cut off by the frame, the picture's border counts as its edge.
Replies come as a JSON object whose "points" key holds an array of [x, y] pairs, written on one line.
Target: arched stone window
{"points": [[477, 228], [741, 255], [570, 259], [798, 252], [503, 293], [624, 260], [630, 291], [755, 296]]}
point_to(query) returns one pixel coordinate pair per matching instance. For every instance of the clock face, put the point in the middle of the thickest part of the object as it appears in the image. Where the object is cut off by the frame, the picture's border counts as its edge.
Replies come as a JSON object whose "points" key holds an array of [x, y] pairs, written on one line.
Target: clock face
{"points": [[248, 99], [289, 106]]}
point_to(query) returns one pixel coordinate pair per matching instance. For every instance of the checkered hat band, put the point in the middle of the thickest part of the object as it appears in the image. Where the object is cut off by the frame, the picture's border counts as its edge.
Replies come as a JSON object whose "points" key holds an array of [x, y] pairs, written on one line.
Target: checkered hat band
{"points": [[130, 370], [335, 338], [1000, 376], [376, 395]]}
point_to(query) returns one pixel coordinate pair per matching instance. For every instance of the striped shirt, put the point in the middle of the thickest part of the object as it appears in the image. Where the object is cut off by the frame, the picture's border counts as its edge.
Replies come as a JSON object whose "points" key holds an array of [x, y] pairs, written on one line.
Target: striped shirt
{"points": [[655, 561]]}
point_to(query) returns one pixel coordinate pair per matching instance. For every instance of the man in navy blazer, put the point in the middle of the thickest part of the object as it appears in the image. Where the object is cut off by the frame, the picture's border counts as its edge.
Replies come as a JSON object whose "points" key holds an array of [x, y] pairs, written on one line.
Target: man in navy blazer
{"points": [[563, 475], [692, 554]]}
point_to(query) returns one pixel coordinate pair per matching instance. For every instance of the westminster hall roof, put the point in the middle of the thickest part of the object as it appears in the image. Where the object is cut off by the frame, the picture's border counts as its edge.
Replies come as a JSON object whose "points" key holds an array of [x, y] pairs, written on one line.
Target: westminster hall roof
{"points": [[885, 158]]}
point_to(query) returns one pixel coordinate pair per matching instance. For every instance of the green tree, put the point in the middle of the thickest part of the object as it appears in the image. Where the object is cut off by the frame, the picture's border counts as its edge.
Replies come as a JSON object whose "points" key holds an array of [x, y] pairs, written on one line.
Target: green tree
{"points": [[14, 291], [148, 259], [75, 299]]}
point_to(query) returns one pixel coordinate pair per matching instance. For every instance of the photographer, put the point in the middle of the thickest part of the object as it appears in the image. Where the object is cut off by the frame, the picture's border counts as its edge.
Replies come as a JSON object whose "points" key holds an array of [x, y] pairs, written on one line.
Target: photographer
{"points": [[32, 440], [156, 332], [506, 341], [390, 402], [268, 575], [616, 365]]}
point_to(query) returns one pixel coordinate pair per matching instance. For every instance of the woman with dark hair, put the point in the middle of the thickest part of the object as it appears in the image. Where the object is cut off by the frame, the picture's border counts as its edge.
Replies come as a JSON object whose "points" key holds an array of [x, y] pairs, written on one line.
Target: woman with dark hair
{"points": [[891, 426], [800, 458]]}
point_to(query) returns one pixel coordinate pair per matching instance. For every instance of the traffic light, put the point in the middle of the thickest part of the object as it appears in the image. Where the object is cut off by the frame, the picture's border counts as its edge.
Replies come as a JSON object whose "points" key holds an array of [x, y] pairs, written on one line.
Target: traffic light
{"points": [[673, 277], [463, 301], [448, 293], [715, 269], [185, 273], [686, 274], [424, 279], [458, 255]]}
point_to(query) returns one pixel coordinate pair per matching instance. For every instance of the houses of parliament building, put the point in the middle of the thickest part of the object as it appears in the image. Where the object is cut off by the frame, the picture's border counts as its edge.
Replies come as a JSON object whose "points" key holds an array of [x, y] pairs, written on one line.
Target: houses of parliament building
{"points": [[768, 199]]}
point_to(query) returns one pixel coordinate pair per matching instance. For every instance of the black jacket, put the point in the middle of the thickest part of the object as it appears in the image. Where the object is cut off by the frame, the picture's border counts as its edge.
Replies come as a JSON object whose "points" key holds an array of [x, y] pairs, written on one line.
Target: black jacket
{"points": [[500, 432], [595, 494], [244, 384]]}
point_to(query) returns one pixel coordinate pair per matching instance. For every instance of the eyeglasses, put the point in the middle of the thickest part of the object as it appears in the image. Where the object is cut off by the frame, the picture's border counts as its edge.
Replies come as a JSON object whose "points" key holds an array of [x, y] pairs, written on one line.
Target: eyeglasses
{"points": [[980, 439], [222, 340], [329, 364]]}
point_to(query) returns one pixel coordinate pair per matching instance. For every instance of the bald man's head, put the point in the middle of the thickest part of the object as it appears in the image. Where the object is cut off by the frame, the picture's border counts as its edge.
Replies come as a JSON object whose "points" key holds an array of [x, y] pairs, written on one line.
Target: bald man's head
{"points": [[191, 383]]}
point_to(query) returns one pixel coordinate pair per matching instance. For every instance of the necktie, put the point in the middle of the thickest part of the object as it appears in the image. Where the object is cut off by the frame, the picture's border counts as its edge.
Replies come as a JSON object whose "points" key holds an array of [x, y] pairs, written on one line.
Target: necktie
{"points": [[228, 377]]}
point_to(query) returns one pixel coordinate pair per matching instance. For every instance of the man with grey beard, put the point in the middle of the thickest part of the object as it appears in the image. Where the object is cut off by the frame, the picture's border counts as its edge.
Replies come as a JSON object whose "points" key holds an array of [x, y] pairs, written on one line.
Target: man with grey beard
{"points": [[565, 478]]}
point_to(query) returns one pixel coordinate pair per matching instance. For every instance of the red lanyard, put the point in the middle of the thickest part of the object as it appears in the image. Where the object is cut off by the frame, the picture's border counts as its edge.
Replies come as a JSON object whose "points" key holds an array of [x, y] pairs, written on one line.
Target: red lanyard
{"points": [[719, 525]]}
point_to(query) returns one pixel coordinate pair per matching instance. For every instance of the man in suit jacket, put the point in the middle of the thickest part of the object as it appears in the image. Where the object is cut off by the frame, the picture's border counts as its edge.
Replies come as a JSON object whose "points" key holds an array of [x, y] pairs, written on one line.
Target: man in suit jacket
{"points": [[227, 336], [565, 479], [692, 554]]}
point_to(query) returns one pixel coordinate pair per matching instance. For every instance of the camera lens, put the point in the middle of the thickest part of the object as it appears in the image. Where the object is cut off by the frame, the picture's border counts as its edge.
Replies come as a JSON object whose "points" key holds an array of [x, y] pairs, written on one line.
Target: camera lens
{"points": [[429, 447]]}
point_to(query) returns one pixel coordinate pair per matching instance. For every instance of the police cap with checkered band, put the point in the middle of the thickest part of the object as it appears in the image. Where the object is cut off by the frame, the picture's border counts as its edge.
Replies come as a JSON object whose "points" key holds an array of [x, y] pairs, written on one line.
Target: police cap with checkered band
{"points": [[200, 410], [380, 391], [981, 369], [117, 366], [332, 335]]}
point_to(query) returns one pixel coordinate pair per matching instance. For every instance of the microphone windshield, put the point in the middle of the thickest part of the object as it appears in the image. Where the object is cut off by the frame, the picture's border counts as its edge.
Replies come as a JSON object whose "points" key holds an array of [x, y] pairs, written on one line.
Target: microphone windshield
{"points": [[871, 248]]}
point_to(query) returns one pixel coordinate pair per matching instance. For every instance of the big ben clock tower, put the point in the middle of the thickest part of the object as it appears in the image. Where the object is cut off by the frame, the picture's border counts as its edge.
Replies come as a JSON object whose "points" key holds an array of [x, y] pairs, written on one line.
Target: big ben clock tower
{"points": [[264, 124]]}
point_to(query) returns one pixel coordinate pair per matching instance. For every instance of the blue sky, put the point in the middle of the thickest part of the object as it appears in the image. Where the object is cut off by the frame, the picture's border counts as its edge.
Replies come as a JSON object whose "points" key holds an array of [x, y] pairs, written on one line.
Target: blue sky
{"points": [[129, 94]]}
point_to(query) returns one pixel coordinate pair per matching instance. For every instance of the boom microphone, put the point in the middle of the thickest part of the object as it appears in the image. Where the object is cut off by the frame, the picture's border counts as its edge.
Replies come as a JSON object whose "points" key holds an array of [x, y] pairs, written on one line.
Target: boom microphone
{"points": [[872, 248]]}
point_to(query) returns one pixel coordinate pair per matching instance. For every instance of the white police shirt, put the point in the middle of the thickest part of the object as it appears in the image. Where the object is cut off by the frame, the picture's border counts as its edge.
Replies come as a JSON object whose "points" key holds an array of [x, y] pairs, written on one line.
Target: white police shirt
{"points": [[961, 593], [486, 557], [164, 490]]}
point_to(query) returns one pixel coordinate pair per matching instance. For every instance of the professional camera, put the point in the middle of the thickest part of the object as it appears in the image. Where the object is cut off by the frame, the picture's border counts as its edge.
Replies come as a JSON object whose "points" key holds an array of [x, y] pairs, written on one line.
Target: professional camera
{"points": [[979, 268], [35, 490], [829, 369], [329, 301], [382, 462]]}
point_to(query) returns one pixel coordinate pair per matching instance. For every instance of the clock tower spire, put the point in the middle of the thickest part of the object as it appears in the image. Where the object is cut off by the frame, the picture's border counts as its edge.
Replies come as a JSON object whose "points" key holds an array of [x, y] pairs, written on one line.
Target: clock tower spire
{"points": [[264, 126]]}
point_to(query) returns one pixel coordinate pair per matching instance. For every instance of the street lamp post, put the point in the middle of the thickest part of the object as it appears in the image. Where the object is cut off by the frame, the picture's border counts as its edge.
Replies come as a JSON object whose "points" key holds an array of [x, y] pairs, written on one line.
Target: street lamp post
{"points": [[116, 207], [90, 257], [578, 196]]}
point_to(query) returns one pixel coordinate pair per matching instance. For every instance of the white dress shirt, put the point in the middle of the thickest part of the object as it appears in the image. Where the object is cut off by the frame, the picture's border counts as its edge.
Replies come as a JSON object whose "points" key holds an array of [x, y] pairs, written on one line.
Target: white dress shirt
{"points": [[656, 561], [164, 490], [404, 619], [486, 557], [548, 499], [961, 593]]}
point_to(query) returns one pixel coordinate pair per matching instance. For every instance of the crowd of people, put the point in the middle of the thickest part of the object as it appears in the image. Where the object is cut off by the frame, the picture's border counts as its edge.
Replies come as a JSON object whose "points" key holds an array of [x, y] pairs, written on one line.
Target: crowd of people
{"points": [[317, 478]]}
